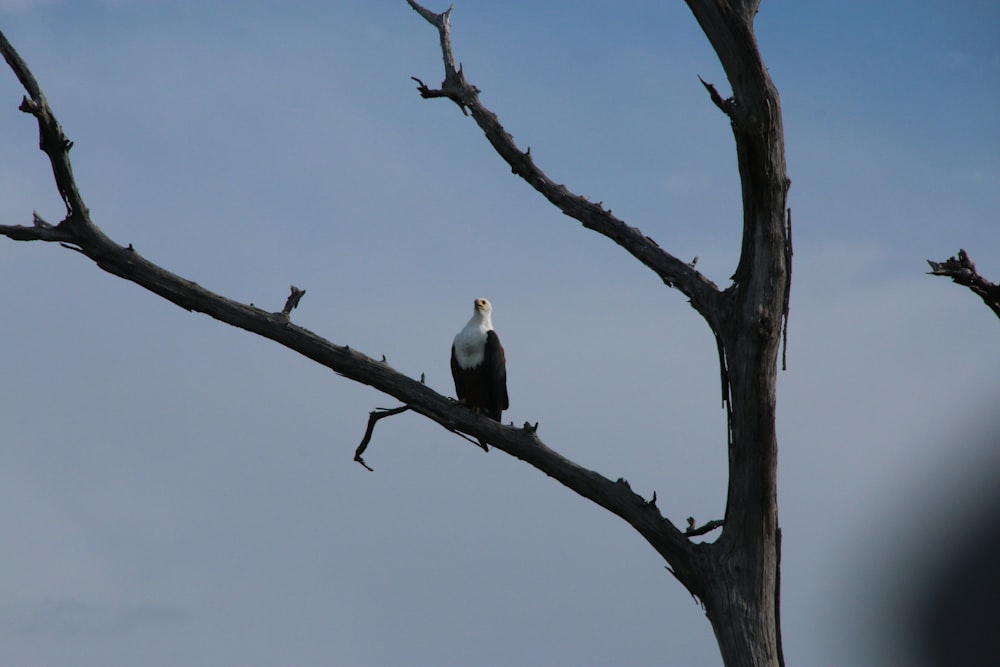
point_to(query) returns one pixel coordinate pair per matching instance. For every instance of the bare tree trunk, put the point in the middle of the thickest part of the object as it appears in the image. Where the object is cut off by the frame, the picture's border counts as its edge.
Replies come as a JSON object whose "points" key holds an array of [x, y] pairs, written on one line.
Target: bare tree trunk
{"points": [[743, 599], [736, 577]]}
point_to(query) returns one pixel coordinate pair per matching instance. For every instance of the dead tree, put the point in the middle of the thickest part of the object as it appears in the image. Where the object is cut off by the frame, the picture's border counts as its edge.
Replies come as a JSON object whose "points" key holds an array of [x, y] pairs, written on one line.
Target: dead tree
{"points": [[962, 270], [736, 577]]}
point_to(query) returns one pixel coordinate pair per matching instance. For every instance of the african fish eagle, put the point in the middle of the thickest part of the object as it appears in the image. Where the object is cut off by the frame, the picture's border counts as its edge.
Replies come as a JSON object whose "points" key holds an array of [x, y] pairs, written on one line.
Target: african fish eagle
{"points": [[478, 364]]}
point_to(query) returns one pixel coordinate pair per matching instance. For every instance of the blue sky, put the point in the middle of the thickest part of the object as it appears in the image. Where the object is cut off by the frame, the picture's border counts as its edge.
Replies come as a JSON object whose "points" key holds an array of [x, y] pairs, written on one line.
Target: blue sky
{"points": [[173, 491]]}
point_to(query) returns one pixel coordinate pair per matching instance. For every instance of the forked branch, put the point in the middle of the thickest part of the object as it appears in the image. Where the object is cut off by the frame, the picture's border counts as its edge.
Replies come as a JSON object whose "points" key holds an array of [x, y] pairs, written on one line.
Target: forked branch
{"points": [[704, 294]]}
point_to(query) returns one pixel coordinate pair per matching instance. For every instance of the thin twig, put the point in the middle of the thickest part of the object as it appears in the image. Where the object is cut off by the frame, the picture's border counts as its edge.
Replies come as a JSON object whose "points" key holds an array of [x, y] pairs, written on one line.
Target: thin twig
{"points": [[374, 416], [293, 300], [788, 289], [701, 530], [715, 96]]}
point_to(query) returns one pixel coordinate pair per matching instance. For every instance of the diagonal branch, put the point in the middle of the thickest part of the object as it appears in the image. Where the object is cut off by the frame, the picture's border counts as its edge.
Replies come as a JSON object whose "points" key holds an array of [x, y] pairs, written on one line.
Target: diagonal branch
{"points": [[79, 233], [703, 293], [51, 138], [962, 270]]}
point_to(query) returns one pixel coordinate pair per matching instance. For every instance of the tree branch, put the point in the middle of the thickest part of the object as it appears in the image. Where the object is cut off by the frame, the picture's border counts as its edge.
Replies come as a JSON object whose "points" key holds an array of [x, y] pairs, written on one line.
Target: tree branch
{"points": [[39, 231], [962, 270], [692, 531], [727, 106], [703, 293], [755, 115], [51, 138], [292, 302], [79, 232], [373, 417]]}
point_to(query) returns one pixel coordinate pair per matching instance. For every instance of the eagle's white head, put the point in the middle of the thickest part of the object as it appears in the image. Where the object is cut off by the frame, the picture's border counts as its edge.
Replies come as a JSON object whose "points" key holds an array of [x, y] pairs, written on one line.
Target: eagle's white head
{"points": [[470, 341], [483, 309]]}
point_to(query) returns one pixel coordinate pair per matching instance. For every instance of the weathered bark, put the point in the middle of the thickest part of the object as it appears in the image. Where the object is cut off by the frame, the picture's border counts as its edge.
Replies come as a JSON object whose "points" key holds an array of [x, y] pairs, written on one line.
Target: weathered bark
{"points": [[962, 270], [743, 597], [736, 577]]}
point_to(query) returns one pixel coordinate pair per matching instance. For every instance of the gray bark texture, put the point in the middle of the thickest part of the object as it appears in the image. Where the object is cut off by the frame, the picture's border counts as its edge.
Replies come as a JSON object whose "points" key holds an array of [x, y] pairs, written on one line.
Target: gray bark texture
{"points": [[736, 577]]}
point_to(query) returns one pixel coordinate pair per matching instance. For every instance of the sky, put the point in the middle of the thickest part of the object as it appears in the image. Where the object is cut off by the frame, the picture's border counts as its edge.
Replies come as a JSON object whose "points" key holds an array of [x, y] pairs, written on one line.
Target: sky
{"points": [[175, 492]]}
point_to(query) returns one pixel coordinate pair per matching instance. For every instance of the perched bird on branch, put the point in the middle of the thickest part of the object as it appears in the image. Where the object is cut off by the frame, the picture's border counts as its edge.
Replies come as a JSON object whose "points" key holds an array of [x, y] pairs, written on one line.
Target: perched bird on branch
{"points": [[478, 364]]}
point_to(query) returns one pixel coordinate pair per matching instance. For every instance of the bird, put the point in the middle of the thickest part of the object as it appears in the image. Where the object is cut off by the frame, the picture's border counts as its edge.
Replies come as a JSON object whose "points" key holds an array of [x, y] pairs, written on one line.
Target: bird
{"points": [[478, 364]]}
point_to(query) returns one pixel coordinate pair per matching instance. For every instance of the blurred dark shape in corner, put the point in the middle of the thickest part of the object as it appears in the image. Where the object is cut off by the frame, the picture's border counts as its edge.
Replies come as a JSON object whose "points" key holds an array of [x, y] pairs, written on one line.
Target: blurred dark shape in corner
{"points": [[955, 614]]}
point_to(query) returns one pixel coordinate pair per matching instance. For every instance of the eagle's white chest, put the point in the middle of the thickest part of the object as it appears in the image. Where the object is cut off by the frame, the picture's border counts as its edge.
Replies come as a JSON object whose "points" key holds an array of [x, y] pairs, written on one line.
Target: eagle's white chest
{"points": [[470, 345]]}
